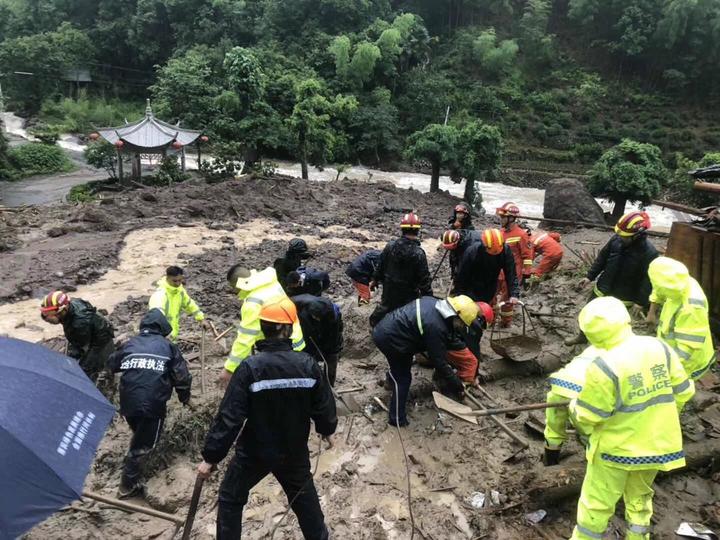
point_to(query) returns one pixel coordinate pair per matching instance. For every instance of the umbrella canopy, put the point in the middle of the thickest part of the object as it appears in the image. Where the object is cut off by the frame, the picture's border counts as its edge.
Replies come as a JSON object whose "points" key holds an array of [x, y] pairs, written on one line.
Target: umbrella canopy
{"points": [[52, 419]]}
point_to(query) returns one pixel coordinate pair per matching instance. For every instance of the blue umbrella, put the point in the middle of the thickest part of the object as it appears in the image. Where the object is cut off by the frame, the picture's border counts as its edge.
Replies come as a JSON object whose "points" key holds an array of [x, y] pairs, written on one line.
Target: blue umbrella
{"points": [[52, 419]]}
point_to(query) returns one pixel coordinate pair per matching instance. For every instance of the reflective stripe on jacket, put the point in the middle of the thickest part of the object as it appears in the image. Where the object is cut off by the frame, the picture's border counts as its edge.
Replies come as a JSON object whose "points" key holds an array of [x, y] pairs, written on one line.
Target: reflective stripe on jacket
{"points": [[629, 406], [552, 252], [684, 325], [172, 301], [262, 288], [519, 242]]}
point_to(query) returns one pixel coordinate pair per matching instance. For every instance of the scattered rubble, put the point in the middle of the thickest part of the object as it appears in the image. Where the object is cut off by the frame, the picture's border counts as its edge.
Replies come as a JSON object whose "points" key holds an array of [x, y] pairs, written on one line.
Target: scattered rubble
{"points": [[361, 481]]}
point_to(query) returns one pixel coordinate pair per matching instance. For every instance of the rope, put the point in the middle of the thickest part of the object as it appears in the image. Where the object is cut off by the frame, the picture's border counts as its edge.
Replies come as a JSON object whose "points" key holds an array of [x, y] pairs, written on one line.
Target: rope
{"points": [[407, 464]]}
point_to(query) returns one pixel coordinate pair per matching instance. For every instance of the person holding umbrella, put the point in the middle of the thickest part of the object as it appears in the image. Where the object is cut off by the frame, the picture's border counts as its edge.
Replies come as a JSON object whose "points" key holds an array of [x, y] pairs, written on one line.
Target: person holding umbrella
{"points": [[151, 367]]}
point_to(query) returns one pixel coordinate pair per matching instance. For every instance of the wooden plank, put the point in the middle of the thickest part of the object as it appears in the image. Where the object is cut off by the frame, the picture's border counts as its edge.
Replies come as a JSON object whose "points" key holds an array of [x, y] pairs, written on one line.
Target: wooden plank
{"points": [[684, 245], [714, 296]]}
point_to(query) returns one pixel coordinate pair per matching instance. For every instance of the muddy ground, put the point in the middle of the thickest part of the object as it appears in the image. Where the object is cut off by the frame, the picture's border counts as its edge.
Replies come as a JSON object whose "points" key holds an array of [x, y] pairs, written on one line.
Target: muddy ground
{"points": [[110, 252]]}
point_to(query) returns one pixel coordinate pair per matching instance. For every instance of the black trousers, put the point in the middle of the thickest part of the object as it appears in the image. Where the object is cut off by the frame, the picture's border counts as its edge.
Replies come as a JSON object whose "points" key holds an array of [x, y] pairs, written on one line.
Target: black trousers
{"points": [[146, 432], [331, 363], [400, 368], [296, 480]]}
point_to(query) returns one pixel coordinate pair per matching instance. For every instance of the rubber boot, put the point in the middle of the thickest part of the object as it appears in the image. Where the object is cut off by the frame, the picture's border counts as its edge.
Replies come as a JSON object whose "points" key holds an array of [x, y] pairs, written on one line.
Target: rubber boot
{"points": [[551, 456]]}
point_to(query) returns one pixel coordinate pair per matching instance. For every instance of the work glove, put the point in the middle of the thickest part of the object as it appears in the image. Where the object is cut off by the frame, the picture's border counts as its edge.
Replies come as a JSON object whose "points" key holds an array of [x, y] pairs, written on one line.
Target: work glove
{"points": [[454, 383]]}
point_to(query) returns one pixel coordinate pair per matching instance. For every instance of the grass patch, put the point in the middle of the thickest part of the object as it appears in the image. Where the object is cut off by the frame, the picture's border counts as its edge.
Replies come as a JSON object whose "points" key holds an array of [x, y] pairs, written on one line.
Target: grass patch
{"points": [[37, 158], [85, 114]]}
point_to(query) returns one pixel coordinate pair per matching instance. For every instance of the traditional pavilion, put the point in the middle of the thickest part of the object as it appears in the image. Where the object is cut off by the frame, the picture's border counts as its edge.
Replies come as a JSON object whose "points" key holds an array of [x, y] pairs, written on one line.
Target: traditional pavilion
{"points": [[148, 137]]}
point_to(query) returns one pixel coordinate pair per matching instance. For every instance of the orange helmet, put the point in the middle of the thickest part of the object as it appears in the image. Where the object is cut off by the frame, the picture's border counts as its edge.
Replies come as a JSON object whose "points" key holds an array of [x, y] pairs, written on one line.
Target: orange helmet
{"points": [[493, 240], [555, 236], [632, 223], [410, 221], [281, 312], [56, 301], [450, 239], [508, 209], [487, 312]]}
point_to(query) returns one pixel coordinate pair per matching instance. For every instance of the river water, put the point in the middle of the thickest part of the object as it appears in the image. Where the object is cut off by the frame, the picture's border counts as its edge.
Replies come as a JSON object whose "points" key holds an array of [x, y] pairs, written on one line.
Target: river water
{"points": [[529, 200]]}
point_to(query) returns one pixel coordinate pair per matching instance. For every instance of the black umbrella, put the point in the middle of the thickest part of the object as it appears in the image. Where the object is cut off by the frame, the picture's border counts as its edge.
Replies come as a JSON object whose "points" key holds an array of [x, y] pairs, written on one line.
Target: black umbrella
{"points": [[52, 419]]}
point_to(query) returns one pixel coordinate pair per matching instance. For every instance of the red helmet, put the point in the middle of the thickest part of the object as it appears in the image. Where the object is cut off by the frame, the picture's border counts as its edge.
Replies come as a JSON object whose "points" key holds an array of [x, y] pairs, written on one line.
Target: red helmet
{"points": [[555, 236], [410, 221], [450, 239], [633, 223], [493, 240], [56, 301], [508, 209], [486, 311]]}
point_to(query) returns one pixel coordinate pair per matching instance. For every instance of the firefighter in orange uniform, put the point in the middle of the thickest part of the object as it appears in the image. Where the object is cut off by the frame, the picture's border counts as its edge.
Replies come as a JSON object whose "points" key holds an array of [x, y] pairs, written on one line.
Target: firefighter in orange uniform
{"points": [[519, 243]]}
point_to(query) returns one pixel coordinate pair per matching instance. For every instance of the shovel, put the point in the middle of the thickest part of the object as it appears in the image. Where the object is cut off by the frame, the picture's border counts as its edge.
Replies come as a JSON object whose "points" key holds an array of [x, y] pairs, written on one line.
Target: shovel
{"points": [[194, 502], [458, 410]]}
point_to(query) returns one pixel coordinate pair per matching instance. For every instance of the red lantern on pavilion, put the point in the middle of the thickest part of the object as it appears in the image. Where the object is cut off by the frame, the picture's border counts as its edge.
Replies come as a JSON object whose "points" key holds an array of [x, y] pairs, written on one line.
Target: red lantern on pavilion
{"points": [[119, 144], [177, 145], [94, 136], [204, 138]]}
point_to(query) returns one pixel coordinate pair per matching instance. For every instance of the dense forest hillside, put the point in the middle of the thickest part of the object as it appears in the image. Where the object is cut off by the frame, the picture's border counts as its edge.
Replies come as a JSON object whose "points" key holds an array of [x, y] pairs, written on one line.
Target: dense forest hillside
{"points": [[543, 83]]}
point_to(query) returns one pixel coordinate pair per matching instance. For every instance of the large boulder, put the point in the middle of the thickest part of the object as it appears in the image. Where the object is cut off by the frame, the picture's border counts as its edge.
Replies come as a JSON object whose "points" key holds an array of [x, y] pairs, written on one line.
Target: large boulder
{"points": [[569, 199]]}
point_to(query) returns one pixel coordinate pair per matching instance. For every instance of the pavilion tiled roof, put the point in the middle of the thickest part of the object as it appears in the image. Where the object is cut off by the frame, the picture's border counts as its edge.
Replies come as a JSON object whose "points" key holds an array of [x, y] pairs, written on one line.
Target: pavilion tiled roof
{"points": [[149, 134]]}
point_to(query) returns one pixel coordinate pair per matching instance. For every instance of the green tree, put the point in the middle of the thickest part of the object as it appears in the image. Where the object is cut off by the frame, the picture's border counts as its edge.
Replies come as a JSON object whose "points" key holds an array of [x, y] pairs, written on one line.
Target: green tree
{"points": [[374, 126], [479, 152], [340, 49], [5, 173], [496, 58], [102, 155], [536, 43], [247, 117], [244, 75], [363, 62], [437, 144], [629, 171], [186, 89], [315, 139], [46, 56]]}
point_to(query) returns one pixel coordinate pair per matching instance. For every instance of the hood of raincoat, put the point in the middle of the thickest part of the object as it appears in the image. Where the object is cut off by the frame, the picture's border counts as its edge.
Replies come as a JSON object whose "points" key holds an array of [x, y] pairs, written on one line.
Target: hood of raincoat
{"points": [[154, 322], [255, 280], [606, 322], [669, 278]]}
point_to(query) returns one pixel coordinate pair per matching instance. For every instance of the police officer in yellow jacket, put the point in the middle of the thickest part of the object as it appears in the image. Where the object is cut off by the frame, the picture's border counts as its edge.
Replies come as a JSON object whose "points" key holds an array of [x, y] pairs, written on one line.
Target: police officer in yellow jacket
{"points": [[255, 289], [172, 299], [565, 385], [629, 409], [684, 323]]}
